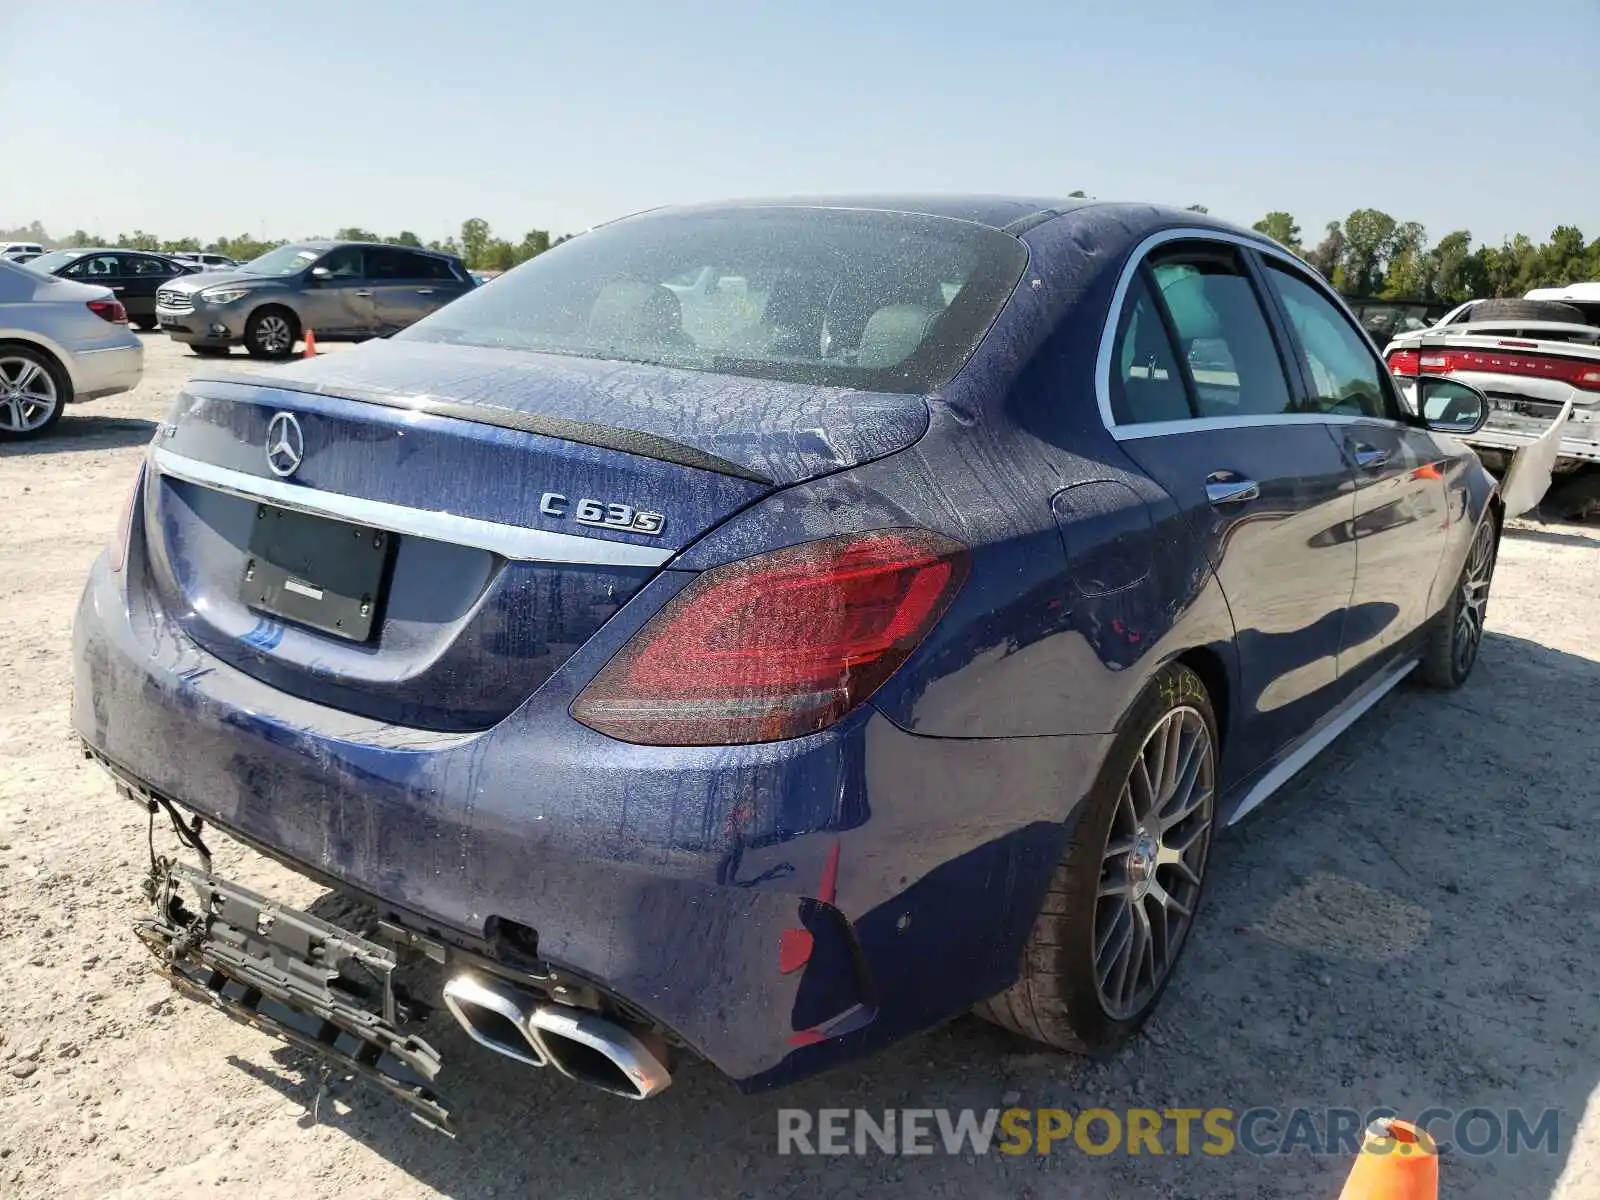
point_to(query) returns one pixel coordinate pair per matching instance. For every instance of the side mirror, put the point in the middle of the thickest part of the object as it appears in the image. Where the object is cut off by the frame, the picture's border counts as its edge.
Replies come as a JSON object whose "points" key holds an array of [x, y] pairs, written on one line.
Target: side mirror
{"points": [[1450, 406], [321, 274]]}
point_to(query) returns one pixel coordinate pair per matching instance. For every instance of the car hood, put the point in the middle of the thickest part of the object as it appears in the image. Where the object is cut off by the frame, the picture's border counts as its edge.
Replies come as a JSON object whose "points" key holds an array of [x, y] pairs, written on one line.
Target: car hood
{"points": [[208, 279], [774, 431]]}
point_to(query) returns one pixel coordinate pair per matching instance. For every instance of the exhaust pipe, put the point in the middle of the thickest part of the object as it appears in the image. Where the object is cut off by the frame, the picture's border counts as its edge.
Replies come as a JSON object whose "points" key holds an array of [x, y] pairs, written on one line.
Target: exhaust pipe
{"points": [[601, 1053], [581, 1045], [495, 1014]]}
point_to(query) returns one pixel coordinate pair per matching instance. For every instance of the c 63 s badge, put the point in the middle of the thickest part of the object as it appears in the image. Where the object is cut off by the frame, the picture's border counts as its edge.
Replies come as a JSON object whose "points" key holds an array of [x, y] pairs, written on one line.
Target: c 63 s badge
{"points": [[601, 514]]}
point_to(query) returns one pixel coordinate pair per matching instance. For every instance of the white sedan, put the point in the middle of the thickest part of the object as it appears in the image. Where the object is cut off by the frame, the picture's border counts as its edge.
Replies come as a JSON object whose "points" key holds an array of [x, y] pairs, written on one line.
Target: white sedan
{"points": [[59, 342]]}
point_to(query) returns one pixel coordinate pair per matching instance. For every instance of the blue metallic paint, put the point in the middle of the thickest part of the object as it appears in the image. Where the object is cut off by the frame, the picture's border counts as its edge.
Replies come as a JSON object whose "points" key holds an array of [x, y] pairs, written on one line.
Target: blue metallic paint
{"points": [[669, 875]]}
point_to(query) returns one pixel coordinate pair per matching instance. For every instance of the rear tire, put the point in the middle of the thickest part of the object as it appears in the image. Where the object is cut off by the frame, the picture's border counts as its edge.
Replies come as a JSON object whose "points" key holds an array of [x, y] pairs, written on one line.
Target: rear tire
{"points": [[34, 391], [146, 324], [271, 333], [1456, 634], [1106, 941], [1526, 310]]}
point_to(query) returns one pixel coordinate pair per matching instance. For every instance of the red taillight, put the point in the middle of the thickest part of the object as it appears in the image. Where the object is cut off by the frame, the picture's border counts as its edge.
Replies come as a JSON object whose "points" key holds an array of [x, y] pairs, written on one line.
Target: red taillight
{"points": [[117, 547], [779, 645], [109, 310], [1577, 372]]}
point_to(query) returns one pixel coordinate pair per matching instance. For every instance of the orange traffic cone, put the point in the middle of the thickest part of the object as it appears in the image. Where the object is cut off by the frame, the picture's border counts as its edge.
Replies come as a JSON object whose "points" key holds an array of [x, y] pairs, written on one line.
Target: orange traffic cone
{"points": [[311, 343], [1398, 1161]]}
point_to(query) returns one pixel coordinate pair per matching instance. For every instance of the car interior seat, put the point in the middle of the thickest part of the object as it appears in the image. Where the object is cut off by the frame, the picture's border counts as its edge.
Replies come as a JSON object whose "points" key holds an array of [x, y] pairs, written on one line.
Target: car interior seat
{"points": [[638, 312]]}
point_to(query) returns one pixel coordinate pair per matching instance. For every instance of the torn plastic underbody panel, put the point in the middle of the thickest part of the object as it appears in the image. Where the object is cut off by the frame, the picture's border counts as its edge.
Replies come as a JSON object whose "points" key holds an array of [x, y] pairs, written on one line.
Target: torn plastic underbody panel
{"points": [[293, 975]]}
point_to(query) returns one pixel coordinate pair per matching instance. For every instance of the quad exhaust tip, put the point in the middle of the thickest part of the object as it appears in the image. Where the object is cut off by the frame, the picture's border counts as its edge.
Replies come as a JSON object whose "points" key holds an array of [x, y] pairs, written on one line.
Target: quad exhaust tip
{"points": [[582, 1045]]}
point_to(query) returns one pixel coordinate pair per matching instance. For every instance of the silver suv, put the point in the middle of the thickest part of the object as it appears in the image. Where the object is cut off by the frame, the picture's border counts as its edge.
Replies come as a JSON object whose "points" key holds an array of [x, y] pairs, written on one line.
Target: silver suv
{"points": [[344, 291]]}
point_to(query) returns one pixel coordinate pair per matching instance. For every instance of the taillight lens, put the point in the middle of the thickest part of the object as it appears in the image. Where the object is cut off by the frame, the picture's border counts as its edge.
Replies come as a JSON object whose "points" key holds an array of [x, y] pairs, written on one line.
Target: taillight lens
{"points": [[1403, 362], [117, 547], [109, 310], [779, 645], [1580, 373]]}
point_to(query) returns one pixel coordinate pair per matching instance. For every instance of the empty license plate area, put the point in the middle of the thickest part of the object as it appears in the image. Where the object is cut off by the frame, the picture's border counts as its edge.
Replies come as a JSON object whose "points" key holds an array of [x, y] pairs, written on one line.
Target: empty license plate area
{"points": [[316, 571]]}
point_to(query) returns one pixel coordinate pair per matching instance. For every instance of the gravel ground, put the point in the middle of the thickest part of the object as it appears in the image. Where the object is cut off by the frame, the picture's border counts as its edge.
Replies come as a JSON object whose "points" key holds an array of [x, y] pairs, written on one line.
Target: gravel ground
{"points": [[1411, 923]]}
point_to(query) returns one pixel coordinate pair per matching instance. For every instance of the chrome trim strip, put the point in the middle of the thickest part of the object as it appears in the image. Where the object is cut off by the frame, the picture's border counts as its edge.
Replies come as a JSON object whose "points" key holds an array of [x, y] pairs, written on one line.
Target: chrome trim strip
{"points": [[1319, 740], [1108, 339], [1128, 433], [508, 541]]}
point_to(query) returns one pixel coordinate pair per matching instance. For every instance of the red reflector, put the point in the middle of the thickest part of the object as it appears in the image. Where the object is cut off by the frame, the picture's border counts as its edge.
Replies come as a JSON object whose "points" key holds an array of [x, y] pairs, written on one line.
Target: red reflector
{"points": [[1579, 373], [1403, 362], [109, 310], [779, 645]]}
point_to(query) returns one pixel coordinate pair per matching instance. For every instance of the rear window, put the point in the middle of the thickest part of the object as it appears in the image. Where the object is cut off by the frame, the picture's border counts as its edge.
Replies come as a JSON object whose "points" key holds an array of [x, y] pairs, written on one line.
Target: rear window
{"points": [[838, 297]]}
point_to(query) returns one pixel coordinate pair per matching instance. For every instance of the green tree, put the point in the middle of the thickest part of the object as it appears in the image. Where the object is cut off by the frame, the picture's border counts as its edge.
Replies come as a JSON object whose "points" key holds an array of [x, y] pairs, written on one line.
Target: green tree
{"points": [[406, 238], [1368, 234], [1563, 258], [1409, 271], [354, 233], [1199, 208], [1457, 274], [475, 238], [1281, 228], [1327, 256], [534, 243]]}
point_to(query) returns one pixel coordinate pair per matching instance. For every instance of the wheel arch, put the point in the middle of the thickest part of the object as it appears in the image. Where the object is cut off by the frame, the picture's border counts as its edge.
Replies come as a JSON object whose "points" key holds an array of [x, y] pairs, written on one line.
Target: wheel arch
{"points": [[40, 344], [295, 321], [1209, 665]]}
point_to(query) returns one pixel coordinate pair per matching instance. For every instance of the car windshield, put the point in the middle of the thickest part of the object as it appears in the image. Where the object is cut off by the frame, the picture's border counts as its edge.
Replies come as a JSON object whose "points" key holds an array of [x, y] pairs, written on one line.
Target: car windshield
{"points": [[840, 297], [285, 260], [53, 261]]}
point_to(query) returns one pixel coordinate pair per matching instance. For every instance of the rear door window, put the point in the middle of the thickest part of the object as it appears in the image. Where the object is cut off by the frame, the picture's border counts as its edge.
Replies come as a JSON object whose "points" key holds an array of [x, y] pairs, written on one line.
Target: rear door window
{"points": [[1346, 377], [1146, 382], [1222, 332]]}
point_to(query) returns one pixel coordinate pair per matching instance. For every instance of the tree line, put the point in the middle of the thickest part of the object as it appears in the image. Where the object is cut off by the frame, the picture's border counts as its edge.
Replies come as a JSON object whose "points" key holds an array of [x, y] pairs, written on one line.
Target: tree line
{"points": [[1369, 253]]}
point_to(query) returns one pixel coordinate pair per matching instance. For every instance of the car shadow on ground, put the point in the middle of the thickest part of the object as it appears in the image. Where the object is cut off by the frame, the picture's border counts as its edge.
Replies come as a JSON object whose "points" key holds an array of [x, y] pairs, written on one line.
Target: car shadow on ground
{"points": [[1556, 533], [75, 433], [1409, 924]]}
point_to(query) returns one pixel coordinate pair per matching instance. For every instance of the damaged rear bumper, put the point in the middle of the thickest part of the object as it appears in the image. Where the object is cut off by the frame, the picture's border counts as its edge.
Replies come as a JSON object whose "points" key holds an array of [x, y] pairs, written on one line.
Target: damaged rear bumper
{"points": [[293, 975]]}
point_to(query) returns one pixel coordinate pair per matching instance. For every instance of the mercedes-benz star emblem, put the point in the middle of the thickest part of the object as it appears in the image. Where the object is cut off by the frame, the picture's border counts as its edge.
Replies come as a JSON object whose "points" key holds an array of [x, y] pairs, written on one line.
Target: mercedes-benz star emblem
{"points": [[286, 445]]}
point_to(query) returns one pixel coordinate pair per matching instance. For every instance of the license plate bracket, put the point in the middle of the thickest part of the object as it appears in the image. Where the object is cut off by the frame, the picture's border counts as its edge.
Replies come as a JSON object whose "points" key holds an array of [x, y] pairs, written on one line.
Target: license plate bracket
{"points": [[316, 571]]}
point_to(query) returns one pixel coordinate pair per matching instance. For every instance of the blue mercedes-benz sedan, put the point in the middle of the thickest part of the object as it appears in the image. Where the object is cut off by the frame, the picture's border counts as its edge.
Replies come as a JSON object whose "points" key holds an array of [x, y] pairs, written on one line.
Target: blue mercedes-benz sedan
{"points": [[765, 630]]}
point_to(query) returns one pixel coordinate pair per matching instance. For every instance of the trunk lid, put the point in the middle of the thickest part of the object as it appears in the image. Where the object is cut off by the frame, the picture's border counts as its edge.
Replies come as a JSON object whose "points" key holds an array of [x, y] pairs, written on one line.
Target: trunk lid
{"points": [[499, 506]]}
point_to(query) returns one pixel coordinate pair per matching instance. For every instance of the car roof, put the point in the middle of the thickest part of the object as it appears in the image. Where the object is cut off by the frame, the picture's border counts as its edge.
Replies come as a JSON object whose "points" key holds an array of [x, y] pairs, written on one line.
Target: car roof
{"points": [[1587, 293], [995, 211], [334, 244]]}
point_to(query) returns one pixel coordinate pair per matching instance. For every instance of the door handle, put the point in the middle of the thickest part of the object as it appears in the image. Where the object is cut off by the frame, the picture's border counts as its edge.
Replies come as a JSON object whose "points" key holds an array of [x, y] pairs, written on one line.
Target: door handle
{"points": [[362, 292], [1229, 487], [424, 291], [1368, 458]]}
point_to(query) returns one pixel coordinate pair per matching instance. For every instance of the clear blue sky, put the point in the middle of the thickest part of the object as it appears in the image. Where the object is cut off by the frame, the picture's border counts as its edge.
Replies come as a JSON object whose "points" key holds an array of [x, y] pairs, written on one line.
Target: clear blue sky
{"points": [[295, 117]]}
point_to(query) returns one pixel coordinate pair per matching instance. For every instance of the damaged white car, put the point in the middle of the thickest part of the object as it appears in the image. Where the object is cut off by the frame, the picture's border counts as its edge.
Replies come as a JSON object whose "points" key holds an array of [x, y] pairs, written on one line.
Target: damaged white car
{"points": [[1538, 361]]}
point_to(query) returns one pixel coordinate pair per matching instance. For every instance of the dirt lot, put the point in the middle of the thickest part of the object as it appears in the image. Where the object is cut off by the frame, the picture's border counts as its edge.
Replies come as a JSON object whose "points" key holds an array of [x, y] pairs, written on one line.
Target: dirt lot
{"points": [[1412, 923]]}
